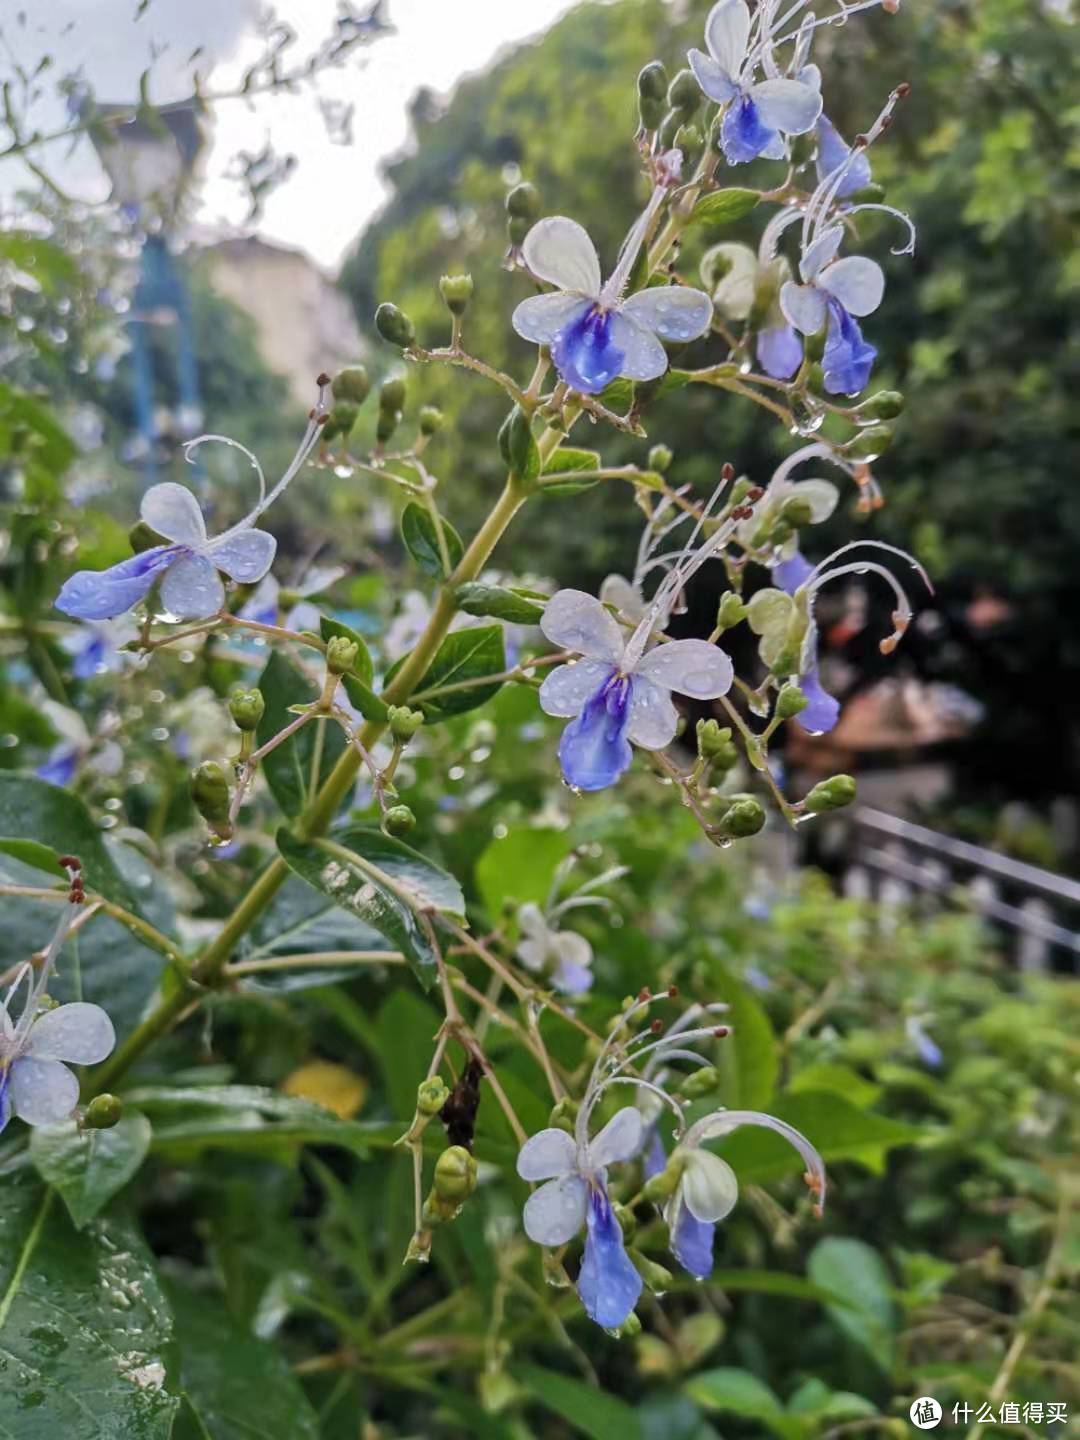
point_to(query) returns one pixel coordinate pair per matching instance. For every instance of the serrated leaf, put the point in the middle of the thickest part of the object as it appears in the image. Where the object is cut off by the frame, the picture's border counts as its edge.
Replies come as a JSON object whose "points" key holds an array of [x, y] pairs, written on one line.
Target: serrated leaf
{"points": [[512, 606], [422, 541], [33, 809], [363, 667], [85, 1329], [595, 1413], [88, 1167], [461, 662], [288, 768], [724, 207]]}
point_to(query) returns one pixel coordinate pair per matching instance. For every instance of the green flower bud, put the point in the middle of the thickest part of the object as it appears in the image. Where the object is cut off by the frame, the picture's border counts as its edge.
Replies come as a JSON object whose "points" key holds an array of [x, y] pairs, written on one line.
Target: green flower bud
{"points": [[517, 228], [831, 794], [630, 1328], [210, 793], [743, 818], [790, 701], [740, 490], [657, 1277], [455, 1174], [730, 612], [715, 744], [398, 820], [651, 112], [689, 139], [700, 1082], [627, 1220], [141, 537], [661, 1187], [660, 458], [403, 722], [652, 81], [563, 1114], [523, 202], [103, 1112], [669, 128], [436, 1212], [870, 443], [456, 291], [868, 195], [796, 512], [351, 385], [394, 325], [385, 426], [246, 708], [431, 419], [341, 420], [497, 1390], [684, 93], [885, 405], [431, 1096], [340, 654], [392, 394], [517, 444]]}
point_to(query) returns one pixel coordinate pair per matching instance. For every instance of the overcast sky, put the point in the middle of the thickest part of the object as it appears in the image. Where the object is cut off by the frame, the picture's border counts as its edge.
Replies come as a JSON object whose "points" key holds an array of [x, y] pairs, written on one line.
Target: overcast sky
{"points": [[335, 189]]}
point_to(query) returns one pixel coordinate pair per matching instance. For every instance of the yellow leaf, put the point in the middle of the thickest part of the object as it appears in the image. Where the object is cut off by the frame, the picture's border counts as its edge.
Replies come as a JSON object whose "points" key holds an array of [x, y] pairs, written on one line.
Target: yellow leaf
{"points": [[332, 1086]]}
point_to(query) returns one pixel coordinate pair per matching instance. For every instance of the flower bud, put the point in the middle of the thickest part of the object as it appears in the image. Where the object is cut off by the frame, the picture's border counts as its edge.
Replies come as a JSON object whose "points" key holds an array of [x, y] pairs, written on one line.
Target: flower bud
{"points": [[392, 394], [210, 794], [340, 421], [431, 419], [455, 1174], [626, 1218], [523, 202], [657, 1277], [660, 458], [517, 444], [885, 405], [103, 1112], [796, 512], [394, 325], [684, 93], [650, 113], [563, 1114], [456, 291], [517, 229], [690, 140], [403, 722], [730, 612], [431, 1096], [340, 654], [351, 385], [790, 701], [398, 820], [870, 443], [868, 195], [700, 1082], [831, 794], [715, 744], [661, 1187], [246, 708], [630, 1328], [669, 128], [743, 818], [652, 81]]}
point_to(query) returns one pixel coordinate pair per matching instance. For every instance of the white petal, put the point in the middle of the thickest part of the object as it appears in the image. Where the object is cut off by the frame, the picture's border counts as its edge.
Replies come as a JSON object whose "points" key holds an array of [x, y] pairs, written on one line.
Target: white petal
{"points": [[644, 358], [620, 1139], [786, 105], [80, 1033], [43, 1092], [821, 495], [556, 1212], [577, 621], [821, 251], [692, 667], [709, 1186], [244, 555], [533, 954], [653, 717], [192, 588], [674, 312], [712, 78], [546, 1154], [618, 591], [173, 511], [531, 920], [567, 688], [559, 251], [726, 33], [803, 306], [68, 724], [572, 948], [733, 294], [857, 282], [541, 317]]}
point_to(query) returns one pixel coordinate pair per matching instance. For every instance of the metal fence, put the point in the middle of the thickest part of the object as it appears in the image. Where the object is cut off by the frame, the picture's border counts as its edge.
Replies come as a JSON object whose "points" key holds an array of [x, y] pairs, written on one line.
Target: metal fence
{"points": [[1036, 912]]}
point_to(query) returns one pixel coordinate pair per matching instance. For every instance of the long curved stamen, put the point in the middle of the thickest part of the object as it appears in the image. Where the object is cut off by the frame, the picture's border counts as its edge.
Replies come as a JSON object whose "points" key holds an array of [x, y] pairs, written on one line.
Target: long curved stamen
{"points": [[35, 988], [724, 1122], [190, 448], [818, 575], [808, 452], [909, 248], [641, 1084], [705, 1033], [822, 199], [770, 236]]}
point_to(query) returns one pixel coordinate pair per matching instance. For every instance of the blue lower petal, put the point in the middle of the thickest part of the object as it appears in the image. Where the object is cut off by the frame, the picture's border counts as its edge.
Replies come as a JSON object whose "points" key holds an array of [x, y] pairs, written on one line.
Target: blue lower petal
{"points": [[585, 354], [832, 152], [608, 1284], [572, 979], [823, 711], [779, 352], [742, 135], [848, 358], [101, 594], [594, 750], [60, 767], [5, 1099], [692, 1244], [89, 658], [655, 1154], [790, 574]]}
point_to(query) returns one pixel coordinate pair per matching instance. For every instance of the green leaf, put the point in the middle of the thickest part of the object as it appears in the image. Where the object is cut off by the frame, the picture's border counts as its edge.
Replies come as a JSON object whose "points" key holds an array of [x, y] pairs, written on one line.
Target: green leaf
{"points": [[288, 768], [364, 699], [595, 1413], [841, 1079], [422, 541], [247, 1118], [839, 1129], [750, 1056], [59, 820], [723, 207], [515, 606], [463, 659], [84, 1326], [857, 1272], [618, 396], [736, 1392], [40, 857], [88, 1167], [363, 667], [382, 882], [565, 461], [235, 1386], [774, 1282], [519, 867], [302, 921]]}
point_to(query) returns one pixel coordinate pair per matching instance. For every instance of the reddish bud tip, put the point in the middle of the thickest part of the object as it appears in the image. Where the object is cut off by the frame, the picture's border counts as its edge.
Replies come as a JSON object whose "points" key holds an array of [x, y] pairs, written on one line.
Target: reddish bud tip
{"points": [[727, 471], [322, 379], [903, 90], [644, 993], [673, 990], [755, 494], [722, 1032], [656, 1027]]}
